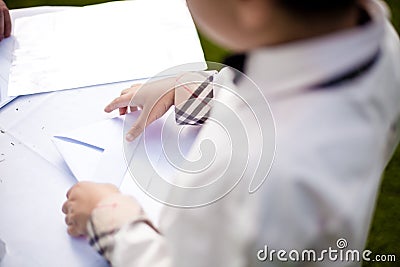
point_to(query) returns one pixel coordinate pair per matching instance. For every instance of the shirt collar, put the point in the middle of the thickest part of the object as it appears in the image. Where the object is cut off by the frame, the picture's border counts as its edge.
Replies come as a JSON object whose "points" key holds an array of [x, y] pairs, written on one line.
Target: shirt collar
{"points": [[306, 63]]}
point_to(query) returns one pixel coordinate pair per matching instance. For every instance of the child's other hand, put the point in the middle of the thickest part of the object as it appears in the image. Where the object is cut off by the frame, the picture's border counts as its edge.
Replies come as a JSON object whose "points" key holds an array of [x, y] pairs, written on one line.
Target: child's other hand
{"points": [[154, 98], [5, 21], [82, 198]]}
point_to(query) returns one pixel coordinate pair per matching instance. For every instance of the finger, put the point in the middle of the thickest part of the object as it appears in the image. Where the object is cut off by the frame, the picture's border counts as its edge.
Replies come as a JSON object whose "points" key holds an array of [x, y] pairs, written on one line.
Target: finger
{"points": [[133, 108], [73, 189], [7, 23], [69, 192], [125, 91], [73, 230], [69, 221], [119, 102], [123, 111], [65, 207], [138, 126], [1, 24], [145, 118]]}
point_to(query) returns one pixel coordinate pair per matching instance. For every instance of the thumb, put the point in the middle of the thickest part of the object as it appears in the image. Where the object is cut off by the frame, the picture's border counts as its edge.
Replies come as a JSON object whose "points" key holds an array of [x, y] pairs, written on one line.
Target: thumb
{"points": [[139, 125], [147, 116]]}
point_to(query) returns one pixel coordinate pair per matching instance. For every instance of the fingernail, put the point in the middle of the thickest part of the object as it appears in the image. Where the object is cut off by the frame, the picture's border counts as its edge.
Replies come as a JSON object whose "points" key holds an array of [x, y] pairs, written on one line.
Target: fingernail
{"points": [[129, 137]]}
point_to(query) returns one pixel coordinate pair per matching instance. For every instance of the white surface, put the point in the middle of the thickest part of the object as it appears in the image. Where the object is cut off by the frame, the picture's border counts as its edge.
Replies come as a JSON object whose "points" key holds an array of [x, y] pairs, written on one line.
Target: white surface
{"points": [[34, 176], [111, 42]]}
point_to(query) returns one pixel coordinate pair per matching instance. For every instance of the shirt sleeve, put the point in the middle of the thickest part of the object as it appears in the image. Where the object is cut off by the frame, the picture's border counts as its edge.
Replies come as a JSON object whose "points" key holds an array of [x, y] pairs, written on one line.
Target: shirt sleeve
{"points": [[124, 236], [193, 97]]}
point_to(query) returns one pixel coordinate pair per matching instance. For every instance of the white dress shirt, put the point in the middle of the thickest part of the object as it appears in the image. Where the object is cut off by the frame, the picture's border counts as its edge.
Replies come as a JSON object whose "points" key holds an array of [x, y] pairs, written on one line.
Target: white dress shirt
{"points": [[332, 144]]}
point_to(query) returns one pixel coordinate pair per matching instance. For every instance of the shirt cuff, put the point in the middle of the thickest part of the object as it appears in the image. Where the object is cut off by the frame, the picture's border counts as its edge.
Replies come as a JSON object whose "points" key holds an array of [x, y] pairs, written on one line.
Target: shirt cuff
{"points": [[193, 95], [109, 217], [138, 245]]}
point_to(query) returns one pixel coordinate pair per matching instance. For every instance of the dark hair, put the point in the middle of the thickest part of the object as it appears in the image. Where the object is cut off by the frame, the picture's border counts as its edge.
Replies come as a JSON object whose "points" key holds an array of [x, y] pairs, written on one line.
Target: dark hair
{"points": [[311, 7]]}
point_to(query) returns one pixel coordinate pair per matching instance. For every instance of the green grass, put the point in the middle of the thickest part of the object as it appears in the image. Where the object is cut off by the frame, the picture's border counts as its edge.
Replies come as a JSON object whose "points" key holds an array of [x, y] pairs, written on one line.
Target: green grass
{"points": [[384, 236], [29, 3]]}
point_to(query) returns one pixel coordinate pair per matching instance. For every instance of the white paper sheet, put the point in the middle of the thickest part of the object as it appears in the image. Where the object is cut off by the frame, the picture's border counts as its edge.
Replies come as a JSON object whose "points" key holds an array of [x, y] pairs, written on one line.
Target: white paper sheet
{"points": [[99, 44], [7, 48]]}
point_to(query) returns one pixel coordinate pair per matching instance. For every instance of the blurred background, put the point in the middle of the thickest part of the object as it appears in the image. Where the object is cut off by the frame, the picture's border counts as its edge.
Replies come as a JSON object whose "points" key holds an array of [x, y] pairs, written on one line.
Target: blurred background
{"points": [[384, 236]]}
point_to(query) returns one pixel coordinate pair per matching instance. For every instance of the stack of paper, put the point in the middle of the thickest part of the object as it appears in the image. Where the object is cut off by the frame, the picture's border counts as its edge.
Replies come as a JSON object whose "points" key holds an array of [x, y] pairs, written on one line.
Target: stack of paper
{"points": [[99, 44], [6, 50], [8, 44]]}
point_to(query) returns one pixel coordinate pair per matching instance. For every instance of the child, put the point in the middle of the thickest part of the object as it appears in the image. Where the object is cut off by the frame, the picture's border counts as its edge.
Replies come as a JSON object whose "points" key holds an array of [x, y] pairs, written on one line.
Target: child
{"points": [[330, 71]]}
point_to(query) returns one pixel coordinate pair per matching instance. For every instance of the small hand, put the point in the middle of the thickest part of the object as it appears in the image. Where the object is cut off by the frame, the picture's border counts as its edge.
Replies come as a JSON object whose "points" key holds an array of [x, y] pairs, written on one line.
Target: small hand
{"points": [[82, 198], [154, 98], [5, 21]]}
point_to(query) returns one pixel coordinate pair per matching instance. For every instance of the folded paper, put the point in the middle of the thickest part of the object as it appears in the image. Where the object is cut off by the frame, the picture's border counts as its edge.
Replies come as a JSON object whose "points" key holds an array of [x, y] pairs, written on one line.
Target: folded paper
{"points": [[95, 152]]}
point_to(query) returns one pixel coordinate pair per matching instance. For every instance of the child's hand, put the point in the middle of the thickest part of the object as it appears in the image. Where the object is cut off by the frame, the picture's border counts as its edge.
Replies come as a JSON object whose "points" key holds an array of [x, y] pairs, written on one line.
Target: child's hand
{"points": [[5, 21], [82, 198], [154, 98]]}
